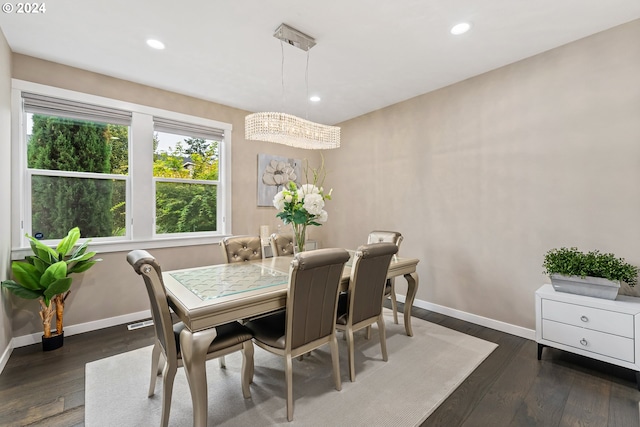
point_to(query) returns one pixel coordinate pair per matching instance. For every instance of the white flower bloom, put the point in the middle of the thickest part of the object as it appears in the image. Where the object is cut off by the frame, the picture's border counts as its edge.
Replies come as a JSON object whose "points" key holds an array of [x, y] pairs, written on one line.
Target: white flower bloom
{"points": [[278, 201], [307, 189], [323, 217], [313, 203]]}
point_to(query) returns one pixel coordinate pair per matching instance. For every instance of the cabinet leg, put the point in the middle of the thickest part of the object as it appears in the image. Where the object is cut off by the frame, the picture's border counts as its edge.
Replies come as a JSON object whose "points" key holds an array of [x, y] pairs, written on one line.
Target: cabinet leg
{"points": [[541, 346], [638, 380]]}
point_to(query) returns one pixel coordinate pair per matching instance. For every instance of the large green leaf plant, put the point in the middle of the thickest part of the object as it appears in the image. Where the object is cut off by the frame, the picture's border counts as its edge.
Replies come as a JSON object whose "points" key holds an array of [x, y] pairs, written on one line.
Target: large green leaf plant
{"points": [[45, 275]]}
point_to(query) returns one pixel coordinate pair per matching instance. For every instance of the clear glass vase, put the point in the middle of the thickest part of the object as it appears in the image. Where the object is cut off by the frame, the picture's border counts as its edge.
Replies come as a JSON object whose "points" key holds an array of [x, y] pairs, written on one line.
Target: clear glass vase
{"points": [[300, 236]]}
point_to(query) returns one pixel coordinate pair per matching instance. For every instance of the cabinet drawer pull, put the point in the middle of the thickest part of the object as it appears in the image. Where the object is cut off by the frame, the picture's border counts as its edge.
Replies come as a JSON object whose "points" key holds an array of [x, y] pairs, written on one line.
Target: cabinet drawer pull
{"points": [[583, 342], [584, 318]]}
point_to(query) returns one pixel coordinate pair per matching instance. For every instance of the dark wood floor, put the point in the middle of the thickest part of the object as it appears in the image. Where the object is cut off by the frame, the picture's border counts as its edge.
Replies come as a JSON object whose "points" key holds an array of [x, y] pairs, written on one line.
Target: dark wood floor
{"points": [[510, 388]]}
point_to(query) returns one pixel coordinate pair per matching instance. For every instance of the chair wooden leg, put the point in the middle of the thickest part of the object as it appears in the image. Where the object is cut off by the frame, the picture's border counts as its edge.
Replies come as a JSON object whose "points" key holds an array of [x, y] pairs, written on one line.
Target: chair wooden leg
{"points": [[368, 332], [169, 375], [394, 301], [335, 359], [223, 364], [351, 351], [247, 368], [288, 372], [250, 362], [155, 369], [383, 337]]}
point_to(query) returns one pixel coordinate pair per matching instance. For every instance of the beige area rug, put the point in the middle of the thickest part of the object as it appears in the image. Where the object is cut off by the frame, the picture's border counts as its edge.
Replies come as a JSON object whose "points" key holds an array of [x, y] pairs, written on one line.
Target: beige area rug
{"points": [[421, 373]]}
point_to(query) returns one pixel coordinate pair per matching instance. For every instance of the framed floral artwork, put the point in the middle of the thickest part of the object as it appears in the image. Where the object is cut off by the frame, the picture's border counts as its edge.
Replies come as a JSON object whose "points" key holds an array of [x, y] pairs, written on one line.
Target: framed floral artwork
{"points": [[273, 173]]}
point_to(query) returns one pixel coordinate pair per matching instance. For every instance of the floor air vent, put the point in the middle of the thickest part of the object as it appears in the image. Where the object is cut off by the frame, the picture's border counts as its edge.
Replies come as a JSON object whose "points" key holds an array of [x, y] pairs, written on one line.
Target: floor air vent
{"points": [[139, 325]]}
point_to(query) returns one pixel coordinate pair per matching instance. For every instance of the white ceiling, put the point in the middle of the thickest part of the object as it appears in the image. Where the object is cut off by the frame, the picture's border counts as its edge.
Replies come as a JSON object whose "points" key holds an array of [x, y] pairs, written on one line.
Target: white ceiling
{"points": [[369, 54]]}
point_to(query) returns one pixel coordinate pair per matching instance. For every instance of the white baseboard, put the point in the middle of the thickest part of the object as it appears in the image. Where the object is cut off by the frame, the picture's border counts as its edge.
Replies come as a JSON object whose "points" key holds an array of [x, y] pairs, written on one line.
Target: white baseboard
{"points": [[5, 356], [24, 340], [508, 328]]}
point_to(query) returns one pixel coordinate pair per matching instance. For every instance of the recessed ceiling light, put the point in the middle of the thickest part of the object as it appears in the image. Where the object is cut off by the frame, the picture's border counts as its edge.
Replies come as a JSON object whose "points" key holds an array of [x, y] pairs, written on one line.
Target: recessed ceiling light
{"points": [[156, 44], [460, 28], [314, 98]]}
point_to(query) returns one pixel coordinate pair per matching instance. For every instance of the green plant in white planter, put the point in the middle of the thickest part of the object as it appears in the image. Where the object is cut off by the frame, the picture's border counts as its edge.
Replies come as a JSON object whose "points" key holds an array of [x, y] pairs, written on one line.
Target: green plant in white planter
{"points": [[572, 265], [44, 276]]}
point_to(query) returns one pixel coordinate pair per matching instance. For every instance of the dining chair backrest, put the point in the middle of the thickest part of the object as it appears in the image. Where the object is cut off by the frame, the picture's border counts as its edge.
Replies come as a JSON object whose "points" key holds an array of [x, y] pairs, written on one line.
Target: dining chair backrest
{"points": [[368, 280], [314, 280], [146, 265], [241, 248], [309, 319], [379, 236], [363, 306], [282, 244]]}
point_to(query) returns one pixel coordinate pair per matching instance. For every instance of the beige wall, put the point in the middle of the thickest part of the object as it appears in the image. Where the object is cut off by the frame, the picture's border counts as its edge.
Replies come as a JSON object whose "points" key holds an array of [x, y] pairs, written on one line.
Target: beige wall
{"points": [[484, 176], [111, 288], [5, 190]]}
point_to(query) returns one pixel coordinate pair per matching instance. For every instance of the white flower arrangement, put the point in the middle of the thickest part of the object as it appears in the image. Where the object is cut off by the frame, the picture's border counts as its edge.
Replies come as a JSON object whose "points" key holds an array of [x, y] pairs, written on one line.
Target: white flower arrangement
{"points": [[303, 205]]}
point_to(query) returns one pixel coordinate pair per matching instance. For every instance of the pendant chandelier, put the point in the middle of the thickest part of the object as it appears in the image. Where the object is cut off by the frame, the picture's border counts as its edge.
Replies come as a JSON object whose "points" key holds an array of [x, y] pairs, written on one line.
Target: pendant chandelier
{"points": [[285, 128]]}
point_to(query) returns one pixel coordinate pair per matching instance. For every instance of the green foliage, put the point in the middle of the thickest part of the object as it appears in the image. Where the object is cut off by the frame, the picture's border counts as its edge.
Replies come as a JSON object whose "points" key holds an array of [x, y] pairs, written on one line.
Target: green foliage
{"points": [[186, 207], [78, 146], [45, 273], [182, 207], [117, 137], [572, 262], [98, 206], [199, 160]]}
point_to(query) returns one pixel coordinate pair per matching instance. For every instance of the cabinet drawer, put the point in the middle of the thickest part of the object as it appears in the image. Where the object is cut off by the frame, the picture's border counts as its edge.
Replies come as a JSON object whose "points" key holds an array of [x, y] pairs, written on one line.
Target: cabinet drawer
{"points": [[597, 319], [589, 340]]}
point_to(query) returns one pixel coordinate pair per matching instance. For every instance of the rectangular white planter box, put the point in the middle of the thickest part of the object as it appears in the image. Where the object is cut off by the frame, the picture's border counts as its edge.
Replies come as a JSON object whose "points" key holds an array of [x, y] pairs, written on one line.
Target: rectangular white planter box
{"points": [[597, 287]]}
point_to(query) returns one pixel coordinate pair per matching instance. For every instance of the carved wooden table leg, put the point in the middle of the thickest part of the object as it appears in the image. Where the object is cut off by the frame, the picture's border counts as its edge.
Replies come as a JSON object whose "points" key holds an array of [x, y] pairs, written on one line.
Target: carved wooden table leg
{"points": [[412, 289]]}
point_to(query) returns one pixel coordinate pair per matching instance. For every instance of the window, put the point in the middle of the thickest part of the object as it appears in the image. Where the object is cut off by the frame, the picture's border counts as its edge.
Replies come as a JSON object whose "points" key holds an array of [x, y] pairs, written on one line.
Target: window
{"points": [[77, 164], [87, 161], [185, 170]]}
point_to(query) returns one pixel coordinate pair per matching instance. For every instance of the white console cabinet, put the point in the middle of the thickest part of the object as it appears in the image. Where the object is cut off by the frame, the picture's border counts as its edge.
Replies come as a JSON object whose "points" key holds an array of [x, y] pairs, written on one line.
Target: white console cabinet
{"points": [[606, 330]]}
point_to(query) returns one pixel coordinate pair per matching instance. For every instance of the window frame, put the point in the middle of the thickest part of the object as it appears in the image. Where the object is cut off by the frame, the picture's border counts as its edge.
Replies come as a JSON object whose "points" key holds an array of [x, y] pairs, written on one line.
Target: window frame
{"points": [[140, 185], [164, 125]]}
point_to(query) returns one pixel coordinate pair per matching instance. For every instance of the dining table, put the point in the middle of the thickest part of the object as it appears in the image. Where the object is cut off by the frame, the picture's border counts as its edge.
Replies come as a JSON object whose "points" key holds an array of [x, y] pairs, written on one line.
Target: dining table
{"points": [[208, 296]]}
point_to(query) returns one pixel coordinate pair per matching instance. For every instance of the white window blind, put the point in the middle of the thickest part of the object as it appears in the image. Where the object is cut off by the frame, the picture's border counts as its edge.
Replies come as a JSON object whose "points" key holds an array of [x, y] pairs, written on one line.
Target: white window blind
{"points": [[181, 128], [47, 105]]}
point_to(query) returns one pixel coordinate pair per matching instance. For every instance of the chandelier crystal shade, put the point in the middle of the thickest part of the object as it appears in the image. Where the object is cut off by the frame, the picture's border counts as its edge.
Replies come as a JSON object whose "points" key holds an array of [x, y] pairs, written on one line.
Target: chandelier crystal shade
{"points": [[288, 129]]}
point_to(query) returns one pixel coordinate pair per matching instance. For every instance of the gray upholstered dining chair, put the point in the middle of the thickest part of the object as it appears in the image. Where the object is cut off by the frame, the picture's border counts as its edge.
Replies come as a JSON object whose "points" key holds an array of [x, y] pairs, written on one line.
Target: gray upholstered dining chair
{"points": [[379, 236], [308, 321], [230, 337], [241, 248], [281, 244], [361, 305]]}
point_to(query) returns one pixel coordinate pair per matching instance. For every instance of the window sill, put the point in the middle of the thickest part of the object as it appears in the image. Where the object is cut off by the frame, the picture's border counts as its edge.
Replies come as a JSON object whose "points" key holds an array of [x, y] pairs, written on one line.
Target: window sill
{"points": [[129, 245]]}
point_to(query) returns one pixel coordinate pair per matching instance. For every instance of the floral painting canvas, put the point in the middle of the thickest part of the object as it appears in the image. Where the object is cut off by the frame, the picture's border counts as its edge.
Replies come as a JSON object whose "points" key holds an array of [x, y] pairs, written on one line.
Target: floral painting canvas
{"points": [[274, 172]]}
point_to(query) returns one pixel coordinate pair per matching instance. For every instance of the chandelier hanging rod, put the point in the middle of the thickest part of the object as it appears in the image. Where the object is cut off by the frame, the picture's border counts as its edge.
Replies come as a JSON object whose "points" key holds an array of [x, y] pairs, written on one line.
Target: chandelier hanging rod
{"points": [[285, 128]]}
